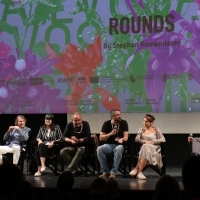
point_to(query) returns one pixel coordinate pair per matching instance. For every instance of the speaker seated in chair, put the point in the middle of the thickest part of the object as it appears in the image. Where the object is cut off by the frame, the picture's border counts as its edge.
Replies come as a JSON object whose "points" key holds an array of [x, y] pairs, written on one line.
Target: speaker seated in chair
{"points": [[49, 134], [150, 153], [15, 140], [76, 136], [114, 133], [24, 158], [195, 145]]}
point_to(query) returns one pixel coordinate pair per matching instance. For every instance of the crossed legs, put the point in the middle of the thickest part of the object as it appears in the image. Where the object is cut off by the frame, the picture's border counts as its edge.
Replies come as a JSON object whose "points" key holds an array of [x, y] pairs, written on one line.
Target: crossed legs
{"points": [[141, 165], [139, 168]]}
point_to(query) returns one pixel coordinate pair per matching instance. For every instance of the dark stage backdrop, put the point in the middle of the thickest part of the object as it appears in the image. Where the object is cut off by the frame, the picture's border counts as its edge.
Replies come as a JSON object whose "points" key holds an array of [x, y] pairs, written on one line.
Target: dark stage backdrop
{"points": [[34, 121]]}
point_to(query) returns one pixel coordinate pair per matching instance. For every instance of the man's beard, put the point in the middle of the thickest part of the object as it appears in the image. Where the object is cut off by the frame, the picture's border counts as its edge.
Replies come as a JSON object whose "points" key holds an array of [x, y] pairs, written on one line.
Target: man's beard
{"points": [[118, 120]]}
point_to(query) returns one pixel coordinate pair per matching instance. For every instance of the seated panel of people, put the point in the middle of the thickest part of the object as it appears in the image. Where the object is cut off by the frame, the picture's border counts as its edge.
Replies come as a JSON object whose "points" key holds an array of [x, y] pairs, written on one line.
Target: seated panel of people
{"points": [[77, 135], [13, 138], [48, 134], [114, 132], [150, 153]]}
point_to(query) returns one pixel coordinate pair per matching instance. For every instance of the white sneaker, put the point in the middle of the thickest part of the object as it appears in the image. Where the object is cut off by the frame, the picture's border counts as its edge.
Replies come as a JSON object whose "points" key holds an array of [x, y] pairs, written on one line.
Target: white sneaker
{"points": [[43, 169], [141, 176], [133, 172], [37, 174]]}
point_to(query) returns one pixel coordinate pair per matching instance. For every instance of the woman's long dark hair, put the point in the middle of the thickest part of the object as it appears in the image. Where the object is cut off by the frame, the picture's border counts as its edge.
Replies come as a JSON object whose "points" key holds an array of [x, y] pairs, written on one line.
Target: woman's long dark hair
{"points": [[51, 117]]}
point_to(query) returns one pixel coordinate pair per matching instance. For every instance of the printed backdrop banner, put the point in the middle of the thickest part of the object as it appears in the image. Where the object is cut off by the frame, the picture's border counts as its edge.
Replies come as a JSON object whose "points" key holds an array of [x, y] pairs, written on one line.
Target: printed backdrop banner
{"points": [[95, 55]]}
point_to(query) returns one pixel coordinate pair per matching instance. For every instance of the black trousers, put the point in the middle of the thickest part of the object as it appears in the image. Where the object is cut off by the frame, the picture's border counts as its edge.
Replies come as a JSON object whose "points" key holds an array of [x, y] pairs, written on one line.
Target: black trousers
{"points": [[43, 151]]}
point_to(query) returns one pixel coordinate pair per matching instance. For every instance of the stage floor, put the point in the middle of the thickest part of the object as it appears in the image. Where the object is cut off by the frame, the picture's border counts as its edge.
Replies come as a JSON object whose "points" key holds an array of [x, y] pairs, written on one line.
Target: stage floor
{"points": [[129, 183]]}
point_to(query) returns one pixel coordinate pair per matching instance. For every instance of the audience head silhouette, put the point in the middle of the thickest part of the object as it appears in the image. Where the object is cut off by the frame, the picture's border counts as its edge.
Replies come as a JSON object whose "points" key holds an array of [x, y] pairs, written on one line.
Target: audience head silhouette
{"points": [[11, 180], [25, 192], [112, 190], [191, 176], [98, 186], [167, 188], [65, 182]]}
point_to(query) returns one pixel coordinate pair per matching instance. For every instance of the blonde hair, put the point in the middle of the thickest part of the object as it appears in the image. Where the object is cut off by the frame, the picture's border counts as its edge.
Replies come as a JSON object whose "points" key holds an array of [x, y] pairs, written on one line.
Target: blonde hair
{"points": [[17, 118]]}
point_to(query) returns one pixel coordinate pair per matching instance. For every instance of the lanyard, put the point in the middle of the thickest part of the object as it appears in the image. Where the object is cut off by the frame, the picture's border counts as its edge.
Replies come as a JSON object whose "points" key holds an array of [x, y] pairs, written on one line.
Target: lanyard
{"points": [[77, 127]]}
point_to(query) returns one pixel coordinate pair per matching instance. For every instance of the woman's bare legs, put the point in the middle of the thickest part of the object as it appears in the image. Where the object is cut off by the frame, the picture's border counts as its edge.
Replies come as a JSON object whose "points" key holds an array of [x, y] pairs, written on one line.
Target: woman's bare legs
{"points": [[42, 159], [139, 167], [39, 168], [141, 164]]}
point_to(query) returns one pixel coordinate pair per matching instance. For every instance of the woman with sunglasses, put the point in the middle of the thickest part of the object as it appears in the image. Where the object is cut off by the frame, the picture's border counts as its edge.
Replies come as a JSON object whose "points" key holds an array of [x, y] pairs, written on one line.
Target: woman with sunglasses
{"points": [[150, 153]]}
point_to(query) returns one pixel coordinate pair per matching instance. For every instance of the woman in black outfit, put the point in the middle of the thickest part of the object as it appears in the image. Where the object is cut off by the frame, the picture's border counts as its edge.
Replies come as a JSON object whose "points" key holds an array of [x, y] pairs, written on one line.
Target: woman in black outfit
{"points": [[48, 134]]}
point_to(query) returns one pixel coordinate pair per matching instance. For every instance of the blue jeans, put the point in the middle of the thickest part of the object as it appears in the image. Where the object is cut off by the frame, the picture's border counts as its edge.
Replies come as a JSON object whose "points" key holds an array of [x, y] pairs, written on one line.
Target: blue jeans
{"points": [[106, 150]]}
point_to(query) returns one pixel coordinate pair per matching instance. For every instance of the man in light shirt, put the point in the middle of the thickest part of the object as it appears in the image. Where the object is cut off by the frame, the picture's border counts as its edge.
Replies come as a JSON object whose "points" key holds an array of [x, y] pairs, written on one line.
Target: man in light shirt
{"points": [[13, 138]]}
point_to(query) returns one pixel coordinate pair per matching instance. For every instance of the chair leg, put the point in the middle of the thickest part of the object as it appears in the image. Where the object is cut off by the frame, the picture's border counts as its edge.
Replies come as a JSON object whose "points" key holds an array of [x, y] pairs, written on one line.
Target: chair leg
{"points": [[52, 165], [124, 173], [56, 167], [99, 168], [86, 164], [94, 167], [130, 164], [62, 164], [163, 170]]}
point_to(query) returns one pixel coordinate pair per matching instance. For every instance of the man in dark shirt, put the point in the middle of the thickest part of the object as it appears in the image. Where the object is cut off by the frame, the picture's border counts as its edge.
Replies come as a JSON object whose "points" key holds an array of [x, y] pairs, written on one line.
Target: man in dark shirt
{"points": [[114, 132], [77, 135]]}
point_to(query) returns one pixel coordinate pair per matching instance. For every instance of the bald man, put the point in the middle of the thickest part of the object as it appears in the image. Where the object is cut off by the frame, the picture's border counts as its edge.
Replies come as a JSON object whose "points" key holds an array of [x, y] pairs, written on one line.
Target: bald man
{"points": [[77, 135]]}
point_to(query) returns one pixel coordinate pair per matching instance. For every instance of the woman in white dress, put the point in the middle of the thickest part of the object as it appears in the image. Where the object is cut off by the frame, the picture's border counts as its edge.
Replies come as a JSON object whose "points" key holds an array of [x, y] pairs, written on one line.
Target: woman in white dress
{"points": [[150, 153]]}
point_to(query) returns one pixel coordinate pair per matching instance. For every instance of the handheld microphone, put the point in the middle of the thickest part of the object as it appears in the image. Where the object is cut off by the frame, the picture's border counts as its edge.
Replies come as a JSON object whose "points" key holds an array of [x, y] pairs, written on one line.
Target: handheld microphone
{"points": [[115, 127], [191, 135]]}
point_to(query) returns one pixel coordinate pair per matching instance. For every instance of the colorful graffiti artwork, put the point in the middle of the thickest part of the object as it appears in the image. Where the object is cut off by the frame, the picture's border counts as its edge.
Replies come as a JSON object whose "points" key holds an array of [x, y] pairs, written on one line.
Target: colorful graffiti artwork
{"points": [[95, 55]]}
